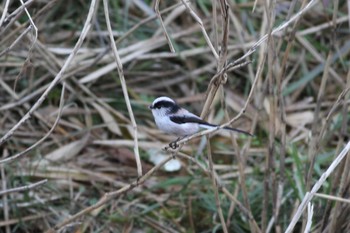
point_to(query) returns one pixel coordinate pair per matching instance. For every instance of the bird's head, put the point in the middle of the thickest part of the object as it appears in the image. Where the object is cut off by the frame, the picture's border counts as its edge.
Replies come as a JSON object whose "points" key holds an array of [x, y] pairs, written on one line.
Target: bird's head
{"points": [[163, 106]]}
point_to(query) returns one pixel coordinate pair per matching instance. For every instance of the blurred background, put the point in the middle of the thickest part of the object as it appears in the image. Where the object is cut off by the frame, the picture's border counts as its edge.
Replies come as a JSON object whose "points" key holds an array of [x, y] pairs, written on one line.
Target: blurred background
{"points": [[290, 90]]}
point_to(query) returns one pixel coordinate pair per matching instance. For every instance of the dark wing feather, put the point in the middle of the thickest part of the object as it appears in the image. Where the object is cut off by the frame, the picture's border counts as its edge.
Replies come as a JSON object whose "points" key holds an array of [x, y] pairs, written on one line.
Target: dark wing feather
{"points": [[239, 131], [191, 119]]}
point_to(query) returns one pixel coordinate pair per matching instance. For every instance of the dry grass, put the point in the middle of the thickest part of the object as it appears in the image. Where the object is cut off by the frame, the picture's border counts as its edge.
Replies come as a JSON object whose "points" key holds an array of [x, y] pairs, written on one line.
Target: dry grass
{"points": [[77, 137]]}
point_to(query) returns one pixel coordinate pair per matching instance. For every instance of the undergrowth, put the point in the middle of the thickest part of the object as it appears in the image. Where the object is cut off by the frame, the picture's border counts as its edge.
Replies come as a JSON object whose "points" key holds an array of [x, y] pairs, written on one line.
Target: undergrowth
{"points": [[289, 89]]}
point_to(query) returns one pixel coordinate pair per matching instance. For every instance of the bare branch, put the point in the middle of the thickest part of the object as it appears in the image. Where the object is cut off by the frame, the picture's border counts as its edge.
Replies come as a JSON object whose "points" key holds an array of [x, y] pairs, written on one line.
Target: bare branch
{"points": [[58, 77], [156, 9], [111, 195], [23, 188], [309, 195], [16, 156], [205, 34], [125, 89]]}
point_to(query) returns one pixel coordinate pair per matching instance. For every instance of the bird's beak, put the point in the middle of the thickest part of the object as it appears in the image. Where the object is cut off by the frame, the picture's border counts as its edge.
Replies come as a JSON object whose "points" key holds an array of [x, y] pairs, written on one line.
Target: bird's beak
{"points": [[150, 107]]}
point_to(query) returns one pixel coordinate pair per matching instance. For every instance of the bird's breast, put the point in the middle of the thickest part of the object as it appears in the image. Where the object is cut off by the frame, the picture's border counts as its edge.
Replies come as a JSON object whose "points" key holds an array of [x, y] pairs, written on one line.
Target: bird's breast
{"points": [[178, 130]]}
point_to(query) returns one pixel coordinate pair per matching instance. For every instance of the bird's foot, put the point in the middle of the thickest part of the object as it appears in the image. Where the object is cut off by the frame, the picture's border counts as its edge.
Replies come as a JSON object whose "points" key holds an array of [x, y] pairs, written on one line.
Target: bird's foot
{"points": [[173, 145]]}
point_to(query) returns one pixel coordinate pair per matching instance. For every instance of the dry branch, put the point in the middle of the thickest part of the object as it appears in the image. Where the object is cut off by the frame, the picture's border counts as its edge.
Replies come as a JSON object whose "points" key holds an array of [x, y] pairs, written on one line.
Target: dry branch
{"points": [[58, 77], [109, 196], [309, 195], [16, 156], [125, 89], [106, 159], [23, 188], [156, 9]]}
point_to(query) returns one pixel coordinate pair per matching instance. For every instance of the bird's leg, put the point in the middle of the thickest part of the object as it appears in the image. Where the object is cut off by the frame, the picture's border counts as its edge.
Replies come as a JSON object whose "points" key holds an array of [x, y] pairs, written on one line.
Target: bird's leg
{"points": [[173, 145]]}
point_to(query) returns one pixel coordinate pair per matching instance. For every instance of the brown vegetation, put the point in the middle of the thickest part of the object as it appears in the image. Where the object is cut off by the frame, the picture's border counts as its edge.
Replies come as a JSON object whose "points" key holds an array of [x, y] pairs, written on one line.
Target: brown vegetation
{"points": [[76, 136]]}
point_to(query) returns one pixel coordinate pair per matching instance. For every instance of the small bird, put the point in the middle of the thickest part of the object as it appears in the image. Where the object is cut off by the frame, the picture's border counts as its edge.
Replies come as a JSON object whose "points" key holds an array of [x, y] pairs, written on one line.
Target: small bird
{"points": [[172, 119]]}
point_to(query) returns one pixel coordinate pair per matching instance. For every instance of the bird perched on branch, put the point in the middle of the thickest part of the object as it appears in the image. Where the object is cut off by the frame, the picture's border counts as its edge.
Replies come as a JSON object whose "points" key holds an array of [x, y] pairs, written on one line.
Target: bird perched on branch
{"points": [[172, 119]]}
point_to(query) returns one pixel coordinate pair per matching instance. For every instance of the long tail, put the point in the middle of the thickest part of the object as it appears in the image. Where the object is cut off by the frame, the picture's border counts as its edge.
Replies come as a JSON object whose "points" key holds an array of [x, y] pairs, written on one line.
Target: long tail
{"points": [[239, 131], [210, 126]]}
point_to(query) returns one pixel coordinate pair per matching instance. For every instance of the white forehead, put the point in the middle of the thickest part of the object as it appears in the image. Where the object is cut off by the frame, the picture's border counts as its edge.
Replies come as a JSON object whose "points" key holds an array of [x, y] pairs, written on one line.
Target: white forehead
{"points": [[163, 98]]}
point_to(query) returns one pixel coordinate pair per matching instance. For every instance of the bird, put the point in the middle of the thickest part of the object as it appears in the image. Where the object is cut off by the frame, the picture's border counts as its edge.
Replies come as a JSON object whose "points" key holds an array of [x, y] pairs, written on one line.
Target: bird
{"points": [[175, 120]]}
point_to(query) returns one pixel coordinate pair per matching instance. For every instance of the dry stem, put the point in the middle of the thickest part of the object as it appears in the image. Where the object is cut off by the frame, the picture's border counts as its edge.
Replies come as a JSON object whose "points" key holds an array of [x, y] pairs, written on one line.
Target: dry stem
{"points": [[125, 89]]}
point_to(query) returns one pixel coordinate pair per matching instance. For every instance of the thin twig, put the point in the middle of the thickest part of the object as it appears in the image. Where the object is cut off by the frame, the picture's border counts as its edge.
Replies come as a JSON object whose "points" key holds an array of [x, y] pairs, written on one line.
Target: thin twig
{"points": [[31, 23], [215, 24], [281, 116], [11, 18], [4, 12], [4, 196], [276, 30], [22, 220], [200, 22], [310, 213], [146, 20], [260, 41], [58, 77], [110, 195], [309, 195], [217, 81], [315, 129], [14, 157], [241, 207], [333, 198], [124, 88], [156, 9], [215, 187], [344, 178], [18, 39], [23, 188], [269, 176]]}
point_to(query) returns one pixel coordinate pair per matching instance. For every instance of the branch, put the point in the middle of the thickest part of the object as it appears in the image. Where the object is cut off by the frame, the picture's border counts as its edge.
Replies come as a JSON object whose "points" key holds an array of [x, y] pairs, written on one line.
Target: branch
{"points": [[23, 188]]}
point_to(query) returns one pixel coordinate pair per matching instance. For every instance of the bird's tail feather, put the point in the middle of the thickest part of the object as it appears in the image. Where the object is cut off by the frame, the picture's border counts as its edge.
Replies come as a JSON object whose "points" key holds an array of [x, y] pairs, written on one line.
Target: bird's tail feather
{"points": [[239, 131], [211, 126]]}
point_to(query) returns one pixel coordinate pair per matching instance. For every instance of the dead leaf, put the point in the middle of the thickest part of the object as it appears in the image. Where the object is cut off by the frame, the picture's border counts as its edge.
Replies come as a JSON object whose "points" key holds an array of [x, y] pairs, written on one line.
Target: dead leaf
{"points": [[108, 119], [67, 152], [300, 118]]}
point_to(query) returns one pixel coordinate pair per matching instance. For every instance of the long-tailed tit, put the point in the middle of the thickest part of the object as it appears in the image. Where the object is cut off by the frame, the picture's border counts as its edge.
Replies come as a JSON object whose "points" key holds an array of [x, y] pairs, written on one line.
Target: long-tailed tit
{"points": [[172, 119]]}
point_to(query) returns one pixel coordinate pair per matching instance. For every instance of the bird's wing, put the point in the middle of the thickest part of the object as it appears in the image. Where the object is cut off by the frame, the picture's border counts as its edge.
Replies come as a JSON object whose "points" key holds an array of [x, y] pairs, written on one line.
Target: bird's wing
{"points": [[182, 119]]}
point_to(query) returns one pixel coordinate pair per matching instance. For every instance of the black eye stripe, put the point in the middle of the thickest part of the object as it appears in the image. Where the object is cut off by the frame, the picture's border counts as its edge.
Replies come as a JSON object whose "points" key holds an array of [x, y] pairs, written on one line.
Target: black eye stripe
{"points": [[163, 104]]}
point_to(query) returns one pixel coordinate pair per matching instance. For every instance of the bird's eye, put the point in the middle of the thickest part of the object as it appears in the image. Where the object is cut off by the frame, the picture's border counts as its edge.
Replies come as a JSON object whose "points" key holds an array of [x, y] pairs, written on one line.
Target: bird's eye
{"points": [[157, 106], [163, 104]]}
